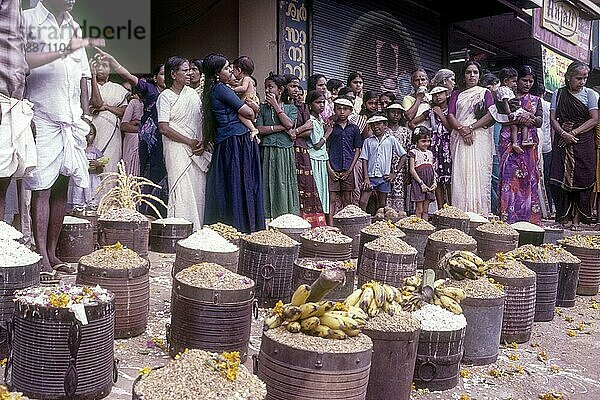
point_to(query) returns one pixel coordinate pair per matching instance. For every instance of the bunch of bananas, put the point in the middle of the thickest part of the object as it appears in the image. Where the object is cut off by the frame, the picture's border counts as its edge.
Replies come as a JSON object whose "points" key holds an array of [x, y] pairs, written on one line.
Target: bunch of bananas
{"points": [[326, 319], [463, 264], [446, 297], [374, 297]]}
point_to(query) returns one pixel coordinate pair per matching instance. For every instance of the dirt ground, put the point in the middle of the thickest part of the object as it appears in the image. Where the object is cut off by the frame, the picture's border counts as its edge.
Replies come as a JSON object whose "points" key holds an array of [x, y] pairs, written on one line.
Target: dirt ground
{"points": [[562, 356]]}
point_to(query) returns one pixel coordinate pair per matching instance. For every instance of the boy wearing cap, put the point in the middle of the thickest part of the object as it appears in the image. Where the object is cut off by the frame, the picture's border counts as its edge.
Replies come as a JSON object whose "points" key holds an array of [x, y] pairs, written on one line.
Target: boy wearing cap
{"points": [[376, 155], [343, 146]]}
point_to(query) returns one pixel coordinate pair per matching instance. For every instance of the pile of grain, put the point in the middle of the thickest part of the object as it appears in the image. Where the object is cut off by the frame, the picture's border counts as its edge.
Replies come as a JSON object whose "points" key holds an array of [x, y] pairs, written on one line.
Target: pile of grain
{"points": [[480, 288], [453, 236], [560, 254], [507, 267], [213, 276], [583, 241], [14, 254], [401, 321], [207, 239], [8, 232], [350, 211], [383, 229], [391, 245], [529, 252], [415, 223], [113, 257], [123, 214], [326, 235], [435, 318], [271, 237], [228, 232], [498, 228], [172, 221], [321, 264], [289, 221], [451, 212], [69, 220]]}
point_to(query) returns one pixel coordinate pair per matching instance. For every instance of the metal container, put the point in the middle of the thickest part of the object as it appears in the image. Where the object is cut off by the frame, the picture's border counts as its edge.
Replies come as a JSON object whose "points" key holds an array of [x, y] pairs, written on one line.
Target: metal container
{"points": [[488, 244], [438, 359], [367, 238], [92, 217], [75, 241], [306, 274], [417, 239], [293, 233], [351, 227], [443, 222], [553, 235], [292, 373], [210, 319], [393, 364], [271, 268], [11, 280], [131, 234], [333, 251], [546, 284], [131, 287], [568, 277], [519, 308], [185, 257], [589, 272], [54, 356], [164, 237], [530, 237], [484, 326], [435, 250], [386, 267]]}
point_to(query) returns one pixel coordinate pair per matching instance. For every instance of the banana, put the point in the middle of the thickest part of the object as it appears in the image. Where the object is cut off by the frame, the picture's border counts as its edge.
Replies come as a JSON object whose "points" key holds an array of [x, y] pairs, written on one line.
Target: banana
{"points": [[357, 312], [386, 307], [352, 332], [450, 304], [410, 288], [354, 298], [272, 321], [379, 294], [300, 295], [293, 327], [309, 324], [337, 334], [436, 300], [350, 323], [291, 313], [397, 295], [438, 283], [308, 310], [471, 257], [331, 321], [455, 294], [469, 264], [389, 293], [412, 281], [321, 331], [365, 298], [373, 310]]}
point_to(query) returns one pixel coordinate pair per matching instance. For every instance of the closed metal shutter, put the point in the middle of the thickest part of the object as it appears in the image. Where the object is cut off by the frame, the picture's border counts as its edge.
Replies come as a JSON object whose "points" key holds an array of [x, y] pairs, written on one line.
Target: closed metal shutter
{"points": [[386, 41]]}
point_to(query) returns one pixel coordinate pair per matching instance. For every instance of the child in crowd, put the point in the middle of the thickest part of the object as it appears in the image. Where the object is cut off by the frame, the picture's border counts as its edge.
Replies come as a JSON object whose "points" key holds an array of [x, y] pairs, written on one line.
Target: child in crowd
{"points": [[81, 196], [343, 147], [385, 99], [316, 146], [440, 144], [507, 104], [396, 125], [243, 67], [420, 165], [376, 156]]}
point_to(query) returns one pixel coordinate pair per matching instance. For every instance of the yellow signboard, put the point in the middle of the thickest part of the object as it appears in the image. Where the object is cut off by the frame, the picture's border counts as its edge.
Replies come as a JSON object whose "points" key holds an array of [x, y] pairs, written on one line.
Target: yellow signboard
{"points": [[561, 18], [555, 66]]}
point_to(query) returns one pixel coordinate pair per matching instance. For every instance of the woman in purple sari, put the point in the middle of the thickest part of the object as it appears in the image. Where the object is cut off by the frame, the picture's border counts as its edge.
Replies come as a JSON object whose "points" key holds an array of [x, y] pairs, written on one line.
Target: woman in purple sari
{"points": [[518, 173]]}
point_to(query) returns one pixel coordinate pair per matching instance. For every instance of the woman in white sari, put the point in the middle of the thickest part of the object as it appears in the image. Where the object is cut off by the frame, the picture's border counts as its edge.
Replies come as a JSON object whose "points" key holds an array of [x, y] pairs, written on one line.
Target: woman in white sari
{"points": [[180, 123], [108, 101], [471, 142]]}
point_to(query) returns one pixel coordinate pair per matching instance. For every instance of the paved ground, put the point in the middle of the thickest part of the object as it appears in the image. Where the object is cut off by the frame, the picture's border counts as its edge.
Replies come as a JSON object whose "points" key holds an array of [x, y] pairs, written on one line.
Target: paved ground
{"points": [[562, 355]]}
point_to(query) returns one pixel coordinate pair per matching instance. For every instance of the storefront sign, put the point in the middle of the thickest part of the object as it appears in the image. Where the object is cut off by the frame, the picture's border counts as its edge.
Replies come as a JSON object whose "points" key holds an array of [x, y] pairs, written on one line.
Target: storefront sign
{"points": [[549, 37], [561, 18], [293, 39], [555, 66]]}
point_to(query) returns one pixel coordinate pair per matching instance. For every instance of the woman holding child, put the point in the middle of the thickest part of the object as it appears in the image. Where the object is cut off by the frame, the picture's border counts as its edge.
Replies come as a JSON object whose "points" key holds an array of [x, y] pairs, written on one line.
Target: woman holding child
{"points": [[518, 172]]}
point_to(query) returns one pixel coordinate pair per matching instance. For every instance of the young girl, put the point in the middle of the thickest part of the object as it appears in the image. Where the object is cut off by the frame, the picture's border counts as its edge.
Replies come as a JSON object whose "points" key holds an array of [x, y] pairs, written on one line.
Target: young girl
{"points": [[396, 125], [275, 123], [81, 196], [420, 165], [318, 82], [369, 107], [385, 99], [316, 146], [440, 144], [510, 107], [243, 67]]}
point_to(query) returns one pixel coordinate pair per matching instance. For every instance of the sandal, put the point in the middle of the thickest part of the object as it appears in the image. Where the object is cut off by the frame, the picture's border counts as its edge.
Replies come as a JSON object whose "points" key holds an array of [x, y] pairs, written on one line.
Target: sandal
{"points": [[48, 278], [65, 269], [575, 228]]}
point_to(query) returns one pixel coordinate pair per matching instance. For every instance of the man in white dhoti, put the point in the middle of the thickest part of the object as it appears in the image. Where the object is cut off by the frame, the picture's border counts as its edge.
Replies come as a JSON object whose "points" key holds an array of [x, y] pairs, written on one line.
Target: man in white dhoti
{"points": [[57, 86], [17, 148]]}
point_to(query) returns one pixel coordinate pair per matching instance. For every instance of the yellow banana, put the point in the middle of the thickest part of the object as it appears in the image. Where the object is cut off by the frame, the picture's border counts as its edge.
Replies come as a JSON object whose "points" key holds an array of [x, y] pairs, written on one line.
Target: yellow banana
{"points": [[438, 283], [309, 324], [373, 310], [337, 334], [379, 294], [293, 327], [410, 288], [397, 295], [324, 306], [450, 304], [352, 332], [321, 331], [308, 310], [365, 298], [412, 281], [455, 294], [354, 298], [386, 307], [272, 321], [471, 257], [389, 293], [290, 313], [350, 323], [300, 295], [436, 300], [331, 321], [357, 312]]}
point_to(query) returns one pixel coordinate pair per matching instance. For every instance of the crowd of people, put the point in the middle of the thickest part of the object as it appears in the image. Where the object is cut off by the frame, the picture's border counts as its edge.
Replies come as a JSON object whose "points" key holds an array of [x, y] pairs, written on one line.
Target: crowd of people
{"points": [[224, 151]]}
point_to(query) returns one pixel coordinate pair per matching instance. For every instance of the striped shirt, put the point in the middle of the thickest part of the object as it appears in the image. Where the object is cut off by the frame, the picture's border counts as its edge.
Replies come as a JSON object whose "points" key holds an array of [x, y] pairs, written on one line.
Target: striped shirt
{"points": [[13, 67]]}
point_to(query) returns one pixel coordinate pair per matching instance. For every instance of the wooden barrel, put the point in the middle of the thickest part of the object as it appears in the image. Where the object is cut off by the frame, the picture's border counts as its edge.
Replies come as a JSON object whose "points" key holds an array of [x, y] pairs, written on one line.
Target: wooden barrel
{"points": [[131, 287], [351, 227], [271, 268], [54, 356], [435, 250], [488, 244], [333, 251], [438, 359], [164, 236], [385, 267], [443, 222], [417, 238], [366, 237], [92, 217], [210, 319], [589, 272], [131, 234], [75, 241], [546, 284], [295, 373], [307, 270], [186, 257], [519, 307]]}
